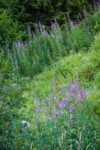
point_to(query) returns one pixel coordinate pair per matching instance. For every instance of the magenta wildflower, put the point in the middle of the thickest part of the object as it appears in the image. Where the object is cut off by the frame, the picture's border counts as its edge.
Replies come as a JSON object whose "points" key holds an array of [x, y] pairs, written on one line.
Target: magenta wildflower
{"points": [[72, 23], [72, 108], [78, 98], [54, 25], [67, 99], [63, 88], [83, 93], [42, 27], [71, 94], [74, 87], [78, 80], [19, 44], [37, 109], [55, 112], [61, 104], [36, 100], [29, 29], [34, 35]]}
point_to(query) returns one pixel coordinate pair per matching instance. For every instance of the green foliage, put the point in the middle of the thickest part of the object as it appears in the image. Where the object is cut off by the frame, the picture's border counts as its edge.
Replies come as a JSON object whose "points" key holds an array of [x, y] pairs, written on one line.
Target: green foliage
{"points": [[10, 102], [9, 29], [91, 64], [30, 58], [78, 39], [43, 48], [43, 10], [4, 67], [91, 24], [17, 104], [96, 44], [53, 131], [97, 79], [27, 117]]}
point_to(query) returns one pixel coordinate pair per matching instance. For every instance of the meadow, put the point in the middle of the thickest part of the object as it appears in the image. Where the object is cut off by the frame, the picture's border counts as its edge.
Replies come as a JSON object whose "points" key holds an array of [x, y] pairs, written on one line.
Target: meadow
{"points": [[50, 88]]}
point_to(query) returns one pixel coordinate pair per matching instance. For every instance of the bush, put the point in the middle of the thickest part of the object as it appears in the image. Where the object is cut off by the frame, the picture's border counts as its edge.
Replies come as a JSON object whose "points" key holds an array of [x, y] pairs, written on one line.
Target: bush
{"points": [[91, 64], [29, 12], [77, 39], [91, 24], [4, 67], [9, 29]]}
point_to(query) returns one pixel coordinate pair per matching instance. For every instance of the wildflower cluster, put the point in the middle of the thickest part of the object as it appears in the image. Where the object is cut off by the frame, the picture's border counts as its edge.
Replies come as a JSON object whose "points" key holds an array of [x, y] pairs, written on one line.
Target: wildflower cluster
{"points": [[63, 115], [62, 102]]}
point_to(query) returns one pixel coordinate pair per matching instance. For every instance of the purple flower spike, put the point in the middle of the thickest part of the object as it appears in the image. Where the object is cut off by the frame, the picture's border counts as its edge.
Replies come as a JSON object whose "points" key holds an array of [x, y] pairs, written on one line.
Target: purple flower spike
{"points": [[83, 93], [72, 23], [73, 87], [72, 108], [78, 99], [54, 25], [29, 29], [42, 27], [78, 80], [63, 88], [61, 104], [71, 94], [36, 100], [34, 35], [37, 109], [19, 44], [67, 99], [55, 112]]}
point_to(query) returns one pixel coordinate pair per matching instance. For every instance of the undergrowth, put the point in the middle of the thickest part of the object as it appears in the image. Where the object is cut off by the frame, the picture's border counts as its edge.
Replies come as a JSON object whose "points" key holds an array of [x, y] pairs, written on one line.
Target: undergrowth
{"points": [[53, 110]]}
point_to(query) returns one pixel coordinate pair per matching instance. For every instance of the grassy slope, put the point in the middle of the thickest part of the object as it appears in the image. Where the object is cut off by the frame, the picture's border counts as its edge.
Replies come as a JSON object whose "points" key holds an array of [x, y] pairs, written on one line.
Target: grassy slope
{"points": [[17, 99], [83, 65]]}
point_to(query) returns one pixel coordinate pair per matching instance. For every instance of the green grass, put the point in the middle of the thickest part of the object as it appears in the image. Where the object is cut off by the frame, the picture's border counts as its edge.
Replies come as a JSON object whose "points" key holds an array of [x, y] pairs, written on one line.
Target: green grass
{"points": [[74, 130], [56, 132]]}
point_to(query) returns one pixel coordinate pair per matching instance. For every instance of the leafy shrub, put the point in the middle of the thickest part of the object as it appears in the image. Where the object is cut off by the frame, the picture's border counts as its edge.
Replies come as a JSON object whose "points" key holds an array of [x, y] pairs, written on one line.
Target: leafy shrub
{"points": [[97, 79], [9, 29], [96, 45], [91, 24], [77, 39], [29, 12], [91, 64], [4, 67]]}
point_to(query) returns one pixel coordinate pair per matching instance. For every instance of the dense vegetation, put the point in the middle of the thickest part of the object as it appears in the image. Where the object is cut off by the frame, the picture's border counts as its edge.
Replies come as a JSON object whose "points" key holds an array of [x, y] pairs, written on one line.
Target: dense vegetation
{"points": [[49, 76], [17, 15]]}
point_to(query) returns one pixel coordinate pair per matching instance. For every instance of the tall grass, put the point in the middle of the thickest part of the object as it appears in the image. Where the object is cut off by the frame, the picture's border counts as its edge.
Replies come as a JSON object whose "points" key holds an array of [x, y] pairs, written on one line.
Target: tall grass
{"points": [[40, 114], [63, 120], [43, 47]]}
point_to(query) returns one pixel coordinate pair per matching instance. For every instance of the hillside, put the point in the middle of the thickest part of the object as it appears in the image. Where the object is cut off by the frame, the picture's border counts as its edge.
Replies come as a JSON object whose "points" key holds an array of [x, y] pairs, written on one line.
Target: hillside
{"points": [[28, 104], [50, 75]]}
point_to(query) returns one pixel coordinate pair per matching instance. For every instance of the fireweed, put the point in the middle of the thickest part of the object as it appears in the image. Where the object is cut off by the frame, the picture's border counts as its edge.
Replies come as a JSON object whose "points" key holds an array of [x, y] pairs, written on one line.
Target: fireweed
{"points": [[69, 99], [65, 119]]}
